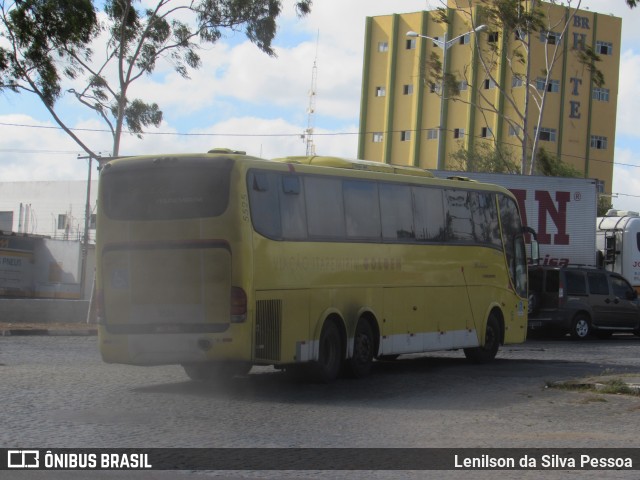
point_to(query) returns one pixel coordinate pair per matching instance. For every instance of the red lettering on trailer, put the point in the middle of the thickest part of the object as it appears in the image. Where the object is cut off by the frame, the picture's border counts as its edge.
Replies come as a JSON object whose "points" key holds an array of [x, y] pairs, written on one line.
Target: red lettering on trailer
{"points": [[546, 207], [558, 215]]}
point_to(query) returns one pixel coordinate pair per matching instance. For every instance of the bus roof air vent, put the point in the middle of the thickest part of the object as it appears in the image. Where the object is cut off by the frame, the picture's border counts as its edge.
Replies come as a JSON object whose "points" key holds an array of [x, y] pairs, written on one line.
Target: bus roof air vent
{"points": [[366, 165], [461, 179], [228, 151]]}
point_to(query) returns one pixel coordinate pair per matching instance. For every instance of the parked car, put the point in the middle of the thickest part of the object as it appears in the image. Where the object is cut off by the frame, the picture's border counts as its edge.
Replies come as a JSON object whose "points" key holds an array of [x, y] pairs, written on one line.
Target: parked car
{"points": [[582, 301]]}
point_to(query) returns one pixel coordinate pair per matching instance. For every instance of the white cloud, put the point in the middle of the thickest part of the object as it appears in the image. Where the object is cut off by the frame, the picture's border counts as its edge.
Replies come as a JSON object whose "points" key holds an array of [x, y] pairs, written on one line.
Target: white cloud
{"points": [[626, 181], [628, 100]]}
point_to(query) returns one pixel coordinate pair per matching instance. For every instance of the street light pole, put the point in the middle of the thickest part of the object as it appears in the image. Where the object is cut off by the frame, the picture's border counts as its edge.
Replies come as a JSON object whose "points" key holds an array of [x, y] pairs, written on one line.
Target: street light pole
{"points": [[444, 45]]}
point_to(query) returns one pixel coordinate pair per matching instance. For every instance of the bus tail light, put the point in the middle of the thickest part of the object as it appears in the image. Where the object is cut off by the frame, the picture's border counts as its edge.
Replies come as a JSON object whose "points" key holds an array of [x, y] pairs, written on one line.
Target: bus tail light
{"points": [[238, 305]]}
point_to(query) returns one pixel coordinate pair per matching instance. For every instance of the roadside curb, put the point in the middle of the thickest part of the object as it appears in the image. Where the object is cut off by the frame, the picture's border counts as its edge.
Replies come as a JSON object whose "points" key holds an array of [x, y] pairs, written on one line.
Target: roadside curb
{"points": [[57, 330], [634, 387], [607, 384]]}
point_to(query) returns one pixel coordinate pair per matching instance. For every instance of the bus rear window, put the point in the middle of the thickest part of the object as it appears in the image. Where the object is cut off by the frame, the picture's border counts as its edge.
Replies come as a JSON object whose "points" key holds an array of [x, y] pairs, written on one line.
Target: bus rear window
{"points": [[170, 191]]}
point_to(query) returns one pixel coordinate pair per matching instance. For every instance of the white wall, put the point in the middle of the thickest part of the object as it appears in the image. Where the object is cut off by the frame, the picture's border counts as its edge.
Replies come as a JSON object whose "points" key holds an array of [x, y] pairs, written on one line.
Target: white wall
{"points": [[43, 202]]}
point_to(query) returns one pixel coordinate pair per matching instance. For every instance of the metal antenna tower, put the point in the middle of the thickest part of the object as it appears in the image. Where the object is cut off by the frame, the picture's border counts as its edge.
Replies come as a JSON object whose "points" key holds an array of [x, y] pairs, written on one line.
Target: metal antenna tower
{"points": [[308, 133]]}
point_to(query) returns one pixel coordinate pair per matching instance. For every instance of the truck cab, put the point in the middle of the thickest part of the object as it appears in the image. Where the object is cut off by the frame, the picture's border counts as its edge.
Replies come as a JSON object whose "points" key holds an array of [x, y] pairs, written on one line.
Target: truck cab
{"points": [[618, 244]]}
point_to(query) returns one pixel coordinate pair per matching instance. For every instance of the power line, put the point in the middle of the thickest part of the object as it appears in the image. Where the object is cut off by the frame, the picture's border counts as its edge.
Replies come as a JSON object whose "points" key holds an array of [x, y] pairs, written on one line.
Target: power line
{"points": [[98, 130], [330, 134], [51, 152]]}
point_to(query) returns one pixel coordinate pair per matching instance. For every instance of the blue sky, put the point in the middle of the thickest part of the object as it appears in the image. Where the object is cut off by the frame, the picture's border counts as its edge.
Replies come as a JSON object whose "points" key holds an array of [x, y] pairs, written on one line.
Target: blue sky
{"points": [[243, 99]]}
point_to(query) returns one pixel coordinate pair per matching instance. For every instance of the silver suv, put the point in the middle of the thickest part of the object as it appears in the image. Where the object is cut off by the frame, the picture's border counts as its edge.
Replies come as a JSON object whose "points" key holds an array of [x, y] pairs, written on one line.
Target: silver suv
{"points": [[582, 301]]}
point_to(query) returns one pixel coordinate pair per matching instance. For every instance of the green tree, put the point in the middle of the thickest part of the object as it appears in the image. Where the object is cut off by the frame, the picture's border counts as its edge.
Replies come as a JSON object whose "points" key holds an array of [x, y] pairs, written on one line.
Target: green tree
{"points": [[50, 40], [552, 166], [484, 157], [604, 205]]}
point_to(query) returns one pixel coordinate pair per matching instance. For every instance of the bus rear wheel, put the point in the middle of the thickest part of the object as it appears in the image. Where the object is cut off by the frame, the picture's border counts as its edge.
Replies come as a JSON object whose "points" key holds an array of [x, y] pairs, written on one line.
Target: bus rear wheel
{"points": [[330, 358], [359, 365], [487, 352]]}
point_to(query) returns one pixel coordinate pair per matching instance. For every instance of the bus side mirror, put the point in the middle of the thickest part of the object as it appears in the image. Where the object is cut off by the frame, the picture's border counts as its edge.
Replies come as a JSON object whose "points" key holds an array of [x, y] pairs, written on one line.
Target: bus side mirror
{"points": [[534, 255]]}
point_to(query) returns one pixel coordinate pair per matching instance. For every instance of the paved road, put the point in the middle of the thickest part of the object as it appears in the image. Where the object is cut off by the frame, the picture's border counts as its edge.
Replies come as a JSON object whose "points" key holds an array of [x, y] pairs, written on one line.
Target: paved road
{"points": [[56, 392]]}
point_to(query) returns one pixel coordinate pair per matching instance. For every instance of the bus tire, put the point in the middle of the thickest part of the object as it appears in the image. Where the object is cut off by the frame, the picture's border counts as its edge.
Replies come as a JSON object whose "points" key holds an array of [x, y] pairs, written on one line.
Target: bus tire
{"points": [[330, 354], [359, 365], [212, 372], [487, 352]]}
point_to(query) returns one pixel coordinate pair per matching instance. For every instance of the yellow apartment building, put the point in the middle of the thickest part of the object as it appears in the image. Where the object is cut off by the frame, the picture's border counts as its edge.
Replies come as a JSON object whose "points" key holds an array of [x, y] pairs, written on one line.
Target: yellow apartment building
{"points": [[402, 109]]}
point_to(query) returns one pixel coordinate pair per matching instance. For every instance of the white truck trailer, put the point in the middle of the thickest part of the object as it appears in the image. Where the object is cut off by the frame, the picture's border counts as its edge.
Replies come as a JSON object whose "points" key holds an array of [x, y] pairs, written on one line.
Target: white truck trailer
{"points": [[618, 243], [560, 209]]}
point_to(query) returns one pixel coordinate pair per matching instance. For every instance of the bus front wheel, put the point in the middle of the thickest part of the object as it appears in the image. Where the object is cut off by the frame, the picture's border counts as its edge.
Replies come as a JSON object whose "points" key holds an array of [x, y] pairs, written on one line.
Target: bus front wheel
{"points": [[330, 358], [359, 365], [487, 352]]}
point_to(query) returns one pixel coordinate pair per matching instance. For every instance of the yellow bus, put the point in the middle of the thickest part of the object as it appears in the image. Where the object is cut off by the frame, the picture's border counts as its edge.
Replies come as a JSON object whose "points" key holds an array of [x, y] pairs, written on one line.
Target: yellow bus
{"points": [[221, 261]]}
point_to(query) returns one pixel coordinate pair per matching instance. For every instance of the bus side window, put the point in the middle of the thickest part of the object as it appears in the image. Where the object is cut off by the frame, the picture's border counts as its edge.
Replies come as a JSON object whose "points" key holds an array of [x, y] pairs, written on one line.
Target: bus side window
{"points": [[362, 209], [459, 222], [260, 182], [396, 212], [292, 209], [264, 204], [484, 213], [325, 210], [291, 185], [428, 214]]}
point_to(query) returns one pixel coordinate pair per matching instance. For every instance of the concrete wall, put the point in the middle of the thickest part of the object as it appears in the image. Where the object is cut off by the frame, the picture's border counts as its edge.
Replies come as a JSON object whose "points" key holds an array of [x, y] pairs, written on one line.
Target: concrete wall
{"points": [[21, 310]]}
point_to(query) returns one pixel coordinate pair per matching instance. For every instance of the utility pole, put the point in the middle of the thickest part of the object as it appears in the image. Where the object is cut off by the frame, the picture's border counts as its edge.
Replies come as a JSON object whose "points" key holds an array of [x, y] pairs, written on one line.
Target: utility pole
{"points": [[87, 220]]}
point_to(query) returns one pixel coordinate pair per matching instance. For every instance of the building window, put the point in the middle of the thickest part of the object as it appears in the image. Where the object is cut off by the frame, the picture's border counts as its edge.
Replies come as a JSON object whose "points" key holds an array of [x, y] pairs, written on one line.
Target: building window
{"points": [[432, 134], [463, 85], [514, 131], [489, 84], [381, 91], [486, 132], [550, 38], [458, 132], [553, 85], [517, 81], [407, 89], [519, 35], [604, 48], [547, 134], [62, 221], [411, 44], [493, 37], [383, 47], [434, 87], [377, 137], [600, 94], [598, 142], [405, 135], [92, 222], [465, 39]]}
